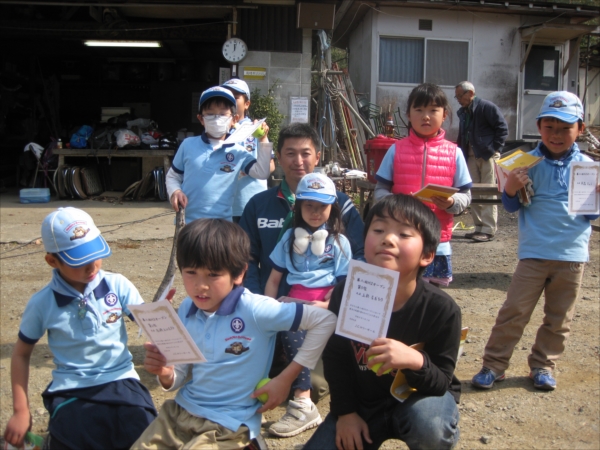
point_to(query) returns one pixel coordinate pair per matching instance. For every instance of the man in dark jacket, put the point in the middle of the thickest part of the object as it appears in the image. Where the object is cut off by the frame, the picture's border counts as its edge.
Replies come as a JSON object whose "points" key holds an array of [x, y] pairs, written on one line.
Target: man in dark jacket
{"points": [[481, 136]]}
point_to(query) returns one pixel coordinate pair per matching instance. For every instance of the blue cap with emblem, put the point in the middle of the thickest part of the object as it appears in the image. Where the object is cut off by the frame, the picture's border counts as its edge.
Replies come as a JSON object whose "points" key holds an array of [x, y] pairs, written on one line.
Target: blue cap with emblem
{"points": [[72, 235], [238, 86], [317, 187], [562, 105], [216, 91]]}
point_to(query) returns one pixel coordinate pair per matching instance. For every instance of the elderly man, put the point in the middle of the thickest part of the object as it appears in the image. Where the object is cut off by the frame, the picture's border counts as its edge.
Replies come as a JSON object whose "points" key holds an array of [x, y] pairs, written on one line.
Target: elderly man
{"points": [[481, 135]]}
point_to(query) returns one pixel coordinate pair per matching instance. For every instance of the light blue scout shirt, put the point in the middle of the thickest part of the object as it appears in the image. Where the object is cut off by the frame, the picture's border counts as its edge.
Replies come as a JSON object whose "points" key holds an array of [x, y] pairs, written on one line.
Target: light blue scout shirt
{"points": [[246, 185], [309, 270], [461, 179], [238, 341], [88, 339], [210, 176]]}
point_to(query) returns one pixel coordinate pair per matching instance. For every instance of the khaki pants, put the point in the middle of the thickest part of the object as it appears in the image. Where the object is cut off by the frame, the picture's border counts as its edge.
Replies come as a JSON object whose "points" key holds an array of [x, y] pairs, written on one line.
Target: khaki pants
{"points": [[485, 217], [175, 428], [560, 282]]}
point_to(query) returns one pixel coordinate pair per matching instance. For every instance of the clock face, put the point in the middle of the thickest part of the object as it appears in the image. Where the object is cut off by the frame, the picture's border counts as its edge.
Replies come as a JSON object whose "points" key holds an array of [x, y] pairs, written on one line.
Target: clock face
{"points": [[234, 50]]}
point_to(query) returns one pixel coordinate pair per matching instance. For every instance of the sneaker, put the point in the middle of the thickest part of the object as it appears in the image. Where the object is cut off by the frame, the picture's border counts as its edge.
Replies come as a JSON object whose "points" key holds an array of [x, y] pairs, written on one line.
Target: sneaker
{"points": [[486, 377], [299, 416], [543, 379]]}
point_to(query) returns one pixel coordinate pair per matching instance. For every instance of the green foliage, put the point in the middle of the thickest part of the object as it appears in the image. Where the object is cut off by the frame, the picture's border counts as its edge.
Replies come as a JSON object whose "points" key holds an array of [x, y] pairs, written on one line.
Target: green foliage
{"points": [[340, 56], [266, 106]]}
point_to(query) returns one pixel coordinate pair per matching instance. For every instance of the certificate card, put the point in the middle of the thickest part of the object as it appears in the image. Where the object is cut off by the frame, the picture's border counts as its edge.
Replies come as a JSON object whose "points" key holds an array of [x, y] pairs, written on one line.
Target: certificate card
{"points": [[164, 328], [243, 131], [583, 198], [367, 302]]}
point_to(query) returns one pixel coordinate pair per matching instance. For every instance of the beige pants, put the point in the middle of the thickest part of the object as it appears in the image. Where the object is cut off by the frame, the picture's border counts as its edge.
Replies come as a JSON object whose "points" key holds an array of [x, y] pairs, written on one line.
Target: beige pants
{"points": [[560, 282], [485, 217], [175, 428]]}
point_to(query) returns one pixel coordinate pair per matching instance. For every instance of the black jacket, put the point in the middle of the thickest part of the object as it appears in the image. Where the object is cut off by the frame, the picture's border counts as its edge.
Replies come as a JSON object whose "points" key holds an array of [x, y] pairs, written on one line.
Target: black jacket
{"points": [[486, 132]]}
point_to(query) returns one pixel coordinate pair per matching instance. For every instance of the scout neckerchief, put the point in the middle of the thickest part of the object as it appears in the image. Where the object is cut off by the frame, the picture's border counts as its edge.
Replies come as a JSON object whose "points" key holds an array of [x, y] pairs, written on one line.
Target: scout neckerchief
{"points": [[291, 199]]}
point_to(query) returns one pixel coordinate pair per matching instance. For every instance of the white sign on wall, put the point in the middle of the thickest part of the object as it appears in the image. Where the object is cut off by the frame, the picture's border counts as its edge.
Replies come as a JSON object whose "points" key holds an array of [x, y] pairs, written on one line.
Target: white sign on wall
{"points": [[299, 110]]}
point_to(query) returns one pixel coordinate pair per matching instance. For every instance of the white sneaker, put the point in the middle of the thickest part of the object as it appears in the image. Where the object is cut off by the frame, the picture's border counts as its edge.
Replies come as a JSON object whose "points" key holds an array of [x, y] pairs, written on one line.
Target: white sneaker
{"points": [[300, 415]]}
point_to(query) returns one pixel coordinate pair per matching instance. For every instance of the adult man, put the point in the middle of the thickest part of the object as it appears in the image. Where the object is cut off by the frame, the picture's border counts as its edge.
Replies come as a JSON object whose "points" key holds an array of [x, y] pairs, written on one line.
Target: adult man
{"points": [[265, 218], [482, 132]]}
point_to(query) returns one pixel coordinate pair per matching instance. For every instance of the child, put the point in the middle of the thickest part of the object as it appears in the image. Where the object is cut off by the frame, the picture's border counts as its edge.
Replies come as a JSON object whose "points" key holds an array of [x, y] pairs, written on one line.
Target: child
{"points": [[246, 186], [402, 235], [235, 330], [316, 256], [426, 157], [553, 247], [204, 173], [94, 385]]}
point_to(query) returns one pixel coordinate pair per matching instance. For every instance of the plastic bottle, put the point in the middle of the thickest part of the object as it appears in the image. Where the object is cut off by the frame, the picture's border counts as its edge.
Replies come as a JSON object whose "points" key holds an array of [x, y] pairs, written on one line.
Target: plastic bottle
{"points": [[59, 143]]}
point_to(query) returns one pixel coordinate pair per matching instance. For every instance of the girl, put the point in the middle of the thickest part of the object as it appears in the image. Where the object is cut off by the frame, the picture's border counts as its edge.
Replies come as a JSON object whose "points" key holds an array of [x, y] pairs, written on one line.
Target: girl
{"points": [[316, 256], [246, 186], [426, 157]]}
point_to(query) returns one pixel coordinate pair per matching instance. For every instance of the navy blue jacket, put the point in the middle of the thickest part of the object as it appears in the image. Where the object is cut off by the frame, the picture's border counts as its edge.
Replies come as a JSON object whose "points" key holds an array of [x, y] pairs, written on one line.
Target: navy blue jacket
{"points": [[263, 219], [487, 130]]}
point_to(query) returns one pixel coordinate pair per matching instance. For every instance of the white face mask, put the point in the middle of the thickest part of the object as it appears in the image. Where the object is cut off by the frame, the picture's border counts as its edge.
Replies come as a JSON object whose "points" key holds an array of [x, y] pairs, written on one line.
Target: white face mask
{"points": [[217, 127]]}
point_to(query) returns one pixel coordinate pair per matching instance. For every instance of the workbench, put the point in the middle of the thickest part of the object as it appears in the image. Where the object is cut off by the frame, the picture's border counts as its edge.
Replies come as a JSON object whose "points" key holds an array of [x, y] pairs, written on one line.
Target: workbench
{"points": [[166, 154]]}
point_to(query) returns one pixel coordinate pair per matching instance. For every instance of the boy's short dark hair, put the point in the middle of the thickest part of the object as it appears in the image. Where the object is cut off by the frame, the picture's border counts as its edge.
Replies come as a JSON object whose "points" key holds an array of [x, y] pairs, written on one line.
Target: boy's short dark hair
{"points": [[298, 130], [214, 244], [539, 121], [218, 101], [406, 208]]}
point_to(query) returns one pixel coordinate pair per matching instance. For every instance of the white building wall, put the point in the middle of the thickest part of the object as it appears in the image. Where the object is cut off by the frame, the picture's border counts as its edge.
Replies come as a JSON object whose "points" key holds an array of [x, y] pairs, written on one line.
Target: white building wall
{"points": [[290, 72], [361, 56], [592, 96], [494, 48]]}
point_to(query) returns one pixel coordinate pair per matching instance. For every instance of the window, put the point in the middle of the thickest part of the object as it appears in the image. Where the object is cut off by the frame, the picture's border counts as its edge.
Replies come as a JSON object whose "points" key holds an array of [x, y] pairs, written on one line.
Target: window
{"points": [[414, 61]]}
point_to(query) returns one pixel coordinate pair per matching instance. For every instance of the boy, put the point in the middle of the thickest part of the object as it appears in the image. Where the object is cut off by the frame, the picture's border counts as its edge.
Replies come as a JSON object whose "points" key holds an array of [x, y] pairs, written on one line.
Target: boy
{"points": [[204, 173], [235, 330], [402, 235], [553, 247], [94, 385], [246, 186]]}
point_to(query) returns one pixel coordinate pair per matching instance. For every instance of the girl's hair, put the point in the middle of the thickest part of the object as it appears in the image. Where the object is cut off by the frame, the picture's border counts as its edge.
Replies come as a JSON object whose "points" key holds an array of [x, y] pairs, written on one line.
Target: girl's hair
{"points": [[213, 244], [334, 224], [428, 94]]}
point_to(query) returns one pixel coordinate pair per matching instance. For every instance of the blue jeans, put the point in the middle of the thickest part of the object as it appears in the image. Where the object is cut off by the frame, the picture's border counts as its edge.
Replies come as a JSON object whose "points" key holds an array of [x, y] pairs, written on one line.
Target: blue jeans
{"points": [[291, 342], [421, 422]]}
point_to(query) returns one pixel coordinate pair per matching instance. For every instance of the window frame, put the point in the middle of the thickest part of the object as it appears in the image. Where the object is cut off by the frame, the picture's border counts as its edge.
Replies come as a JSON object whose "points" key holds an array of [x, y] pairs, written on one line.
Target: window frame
{"points": [[425, 39]]}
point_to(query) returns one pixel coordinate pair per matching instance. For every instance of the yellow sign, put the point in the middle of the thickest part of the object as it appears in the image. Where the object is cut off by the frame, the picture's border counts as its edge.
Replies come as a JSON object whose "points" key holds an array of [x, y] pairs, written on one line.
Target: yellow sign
{"points": [[255, 73]]}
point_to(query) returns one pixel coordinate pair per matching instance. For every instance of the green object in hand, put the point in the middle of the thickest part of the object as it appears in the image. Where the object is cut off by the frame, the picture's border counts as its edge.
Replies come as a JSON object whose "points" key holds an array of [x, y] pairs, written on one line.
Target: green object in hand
{"points": [[259, 132], [376, 367], [262, 397]]}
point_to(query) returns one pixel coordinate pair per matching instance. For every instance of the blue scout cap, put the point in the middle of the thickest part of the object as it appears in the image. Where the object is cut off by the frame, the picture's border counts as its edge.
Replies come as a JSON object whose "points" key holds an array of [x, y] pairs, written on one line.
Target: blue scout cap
{"points": [[562, 105], [73, 236], [238, 86], [216, 91], [317, 187]]}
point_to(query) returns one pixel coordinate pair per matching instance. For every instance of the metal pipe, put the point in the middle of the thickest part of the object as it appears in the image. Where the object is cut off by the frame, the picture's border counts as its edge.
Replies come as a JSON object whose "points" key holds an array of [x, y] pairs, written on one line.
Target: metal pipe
{"points": [[358, 116]]}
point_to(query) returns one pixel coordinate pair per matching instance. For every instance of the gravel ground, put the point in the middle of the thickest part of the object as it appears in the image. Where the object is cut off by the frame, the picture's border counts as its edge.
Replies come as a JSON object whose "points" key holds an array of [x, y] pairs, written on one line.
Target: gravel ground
{"points": [[512, 415]]}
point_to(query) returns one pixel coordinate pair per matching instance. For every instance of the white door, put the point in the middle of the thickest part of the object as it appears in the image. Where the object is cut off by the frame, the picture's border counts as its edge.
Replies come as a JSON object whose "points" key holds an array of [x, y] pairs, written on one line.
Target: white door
{"points": [[541, 76]]}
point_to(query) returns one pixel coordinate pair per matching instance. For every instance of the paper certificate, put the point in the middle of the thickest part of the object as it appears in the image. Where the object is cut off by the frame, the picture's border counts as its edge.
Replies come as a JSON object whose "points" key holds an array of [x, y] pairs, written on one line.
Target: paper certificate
{"points": [[164, 328], [367, 302], [243, 131], [583, 198]]}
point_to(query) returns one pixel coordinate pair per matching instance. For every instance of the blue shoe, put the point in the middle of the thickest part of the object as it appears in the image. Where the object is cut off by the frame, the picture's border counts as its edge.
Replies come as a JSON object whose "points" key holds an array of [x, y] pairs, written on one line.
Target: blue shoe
{"points": [[486, 377], [543, 379]]}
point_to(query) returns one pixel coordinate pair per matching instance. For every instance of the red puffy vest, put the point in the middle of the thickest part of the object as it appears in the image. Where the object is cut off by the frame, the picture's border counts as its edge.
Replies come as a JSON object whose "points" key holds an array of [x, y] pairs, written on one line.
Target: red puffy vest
{"points": [[418, 162]]}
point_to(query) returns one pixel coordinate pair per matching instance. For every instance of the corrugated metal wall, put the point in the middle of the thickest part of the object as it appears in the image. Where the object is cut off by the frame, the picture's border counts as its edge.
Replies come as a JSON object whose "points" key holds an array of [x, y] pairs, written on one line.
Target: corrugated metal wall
{"points": [[271, 29]]}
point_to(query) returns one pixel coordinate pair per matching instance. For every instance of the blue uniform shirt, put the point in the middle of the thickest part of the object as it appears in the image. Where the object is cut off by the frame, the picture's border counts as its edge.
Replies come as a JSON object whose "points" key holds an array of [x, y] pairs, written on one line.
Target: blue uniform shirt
{"points": [[238, 341], [309, 270], [462, 179], [88, 339], [247, 186], [210, 176]]}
